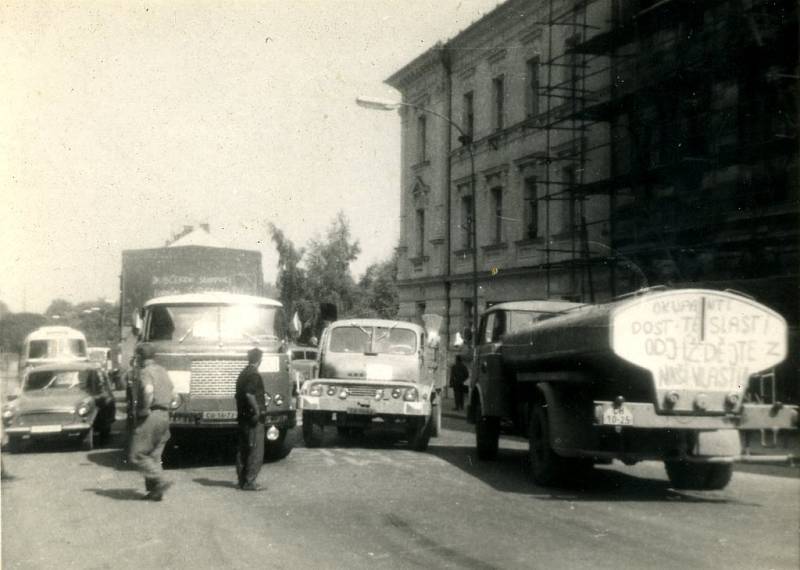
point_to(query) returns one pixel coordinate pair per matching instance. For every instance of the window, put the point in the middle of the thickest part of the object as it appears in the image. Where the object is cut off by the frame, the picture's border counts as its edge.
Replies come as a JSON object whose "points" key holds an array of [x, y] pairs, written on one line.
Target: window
{"points": [[532, 91], [498, 91], [422, 138], [466, 317], [468, 118], [531, 208], [497, 204], [571, 65], [466, 222], [420, 233]]}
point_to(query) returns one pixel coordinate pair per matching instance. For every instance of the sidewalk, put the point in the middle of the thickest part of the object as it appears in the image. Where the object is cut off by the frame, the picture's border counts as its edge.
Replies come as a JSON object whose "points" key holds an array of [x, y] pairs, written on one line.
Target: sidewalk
{"points": [[449, 410]]}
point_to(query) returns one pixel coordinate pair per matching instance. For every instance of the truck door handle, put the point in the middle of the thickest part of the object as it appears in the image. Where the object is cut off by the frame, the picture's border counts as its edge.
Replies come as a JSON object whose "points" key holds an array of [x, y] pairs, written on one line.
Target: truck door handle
{"points": [[484, 366]]}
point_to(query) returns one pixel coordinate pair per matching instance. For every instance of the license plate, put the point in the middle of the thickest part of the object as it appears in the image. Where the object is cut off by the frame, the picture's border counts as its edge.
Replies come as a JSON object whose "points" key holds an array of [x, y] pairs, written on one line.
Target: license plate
{"points": [[618, 417], [45, 429], [219, 415], [359, 411]]}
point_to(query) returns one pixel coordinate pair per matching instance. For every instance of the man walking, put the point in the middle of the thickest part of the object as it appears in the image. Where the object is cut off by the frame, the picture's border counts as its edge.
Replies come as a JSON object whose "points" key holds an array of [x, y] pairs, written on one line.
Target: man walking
{"points": [[459, 374], [251, 408], [153, 391]]}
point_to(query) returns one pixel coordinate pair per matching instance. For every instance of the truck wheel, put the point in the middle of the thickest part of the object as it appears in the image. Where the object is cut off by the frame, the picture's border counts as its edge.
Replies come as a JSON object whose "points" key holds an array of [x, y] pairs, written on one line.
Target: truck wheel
{"points": [[87, 443], [547, 468], [487, 434], [699, 476], [280, 448], [312, 430], [419, 434]]}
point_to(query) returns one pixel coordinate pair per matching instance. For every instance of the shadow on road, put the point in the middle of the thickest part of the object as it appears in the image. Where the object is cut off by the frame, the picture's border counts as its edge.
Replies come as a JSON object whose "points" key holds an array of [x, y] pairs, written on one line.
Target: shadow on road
{"points": [[509, 474], [112, 458], [118, 494], [215, 483]]}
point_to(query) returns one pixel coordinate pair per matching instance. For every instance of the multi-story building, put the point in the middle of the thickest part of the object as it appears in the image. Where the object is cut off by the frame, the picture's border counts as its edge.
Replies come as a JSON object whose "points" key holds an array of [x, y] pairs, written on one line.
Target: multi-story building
{"points": [[604, 146]]}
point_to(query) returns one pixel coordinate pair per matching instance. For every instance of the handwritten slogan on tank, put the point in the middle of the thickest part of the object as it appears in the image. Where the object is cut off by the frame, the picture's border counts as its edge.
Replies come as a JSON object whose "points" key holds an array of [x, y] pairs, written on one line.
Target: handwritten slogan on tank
{"points": [[699, 340]]}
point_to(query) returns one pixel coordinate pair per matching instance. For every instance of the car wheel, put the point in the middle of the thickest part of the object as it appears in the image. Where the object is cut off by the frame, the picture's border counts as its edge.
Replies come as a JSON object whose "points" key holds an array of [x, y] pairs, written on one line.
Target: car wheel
{"points": [[699, 476], [280, 448], [87, 443], [419, 434], [487, 434], [312, 430]]}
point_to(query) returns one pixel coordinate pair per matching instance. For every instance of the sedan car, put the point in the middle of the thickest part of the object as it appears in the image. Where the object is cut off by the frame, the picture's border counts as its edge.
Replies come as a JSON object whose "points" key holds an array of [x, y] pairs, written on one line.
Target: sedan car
{"points": [[71, 400]]}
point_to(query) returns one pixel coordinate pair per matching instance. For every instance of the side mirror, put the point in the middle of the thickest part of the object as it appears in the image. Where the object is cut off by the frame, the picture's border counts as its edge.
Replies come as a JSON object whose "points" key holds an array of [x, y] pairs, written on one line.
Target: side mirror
{"points": [[11, 396], [458, 341], [295, 326], [136, 325]]}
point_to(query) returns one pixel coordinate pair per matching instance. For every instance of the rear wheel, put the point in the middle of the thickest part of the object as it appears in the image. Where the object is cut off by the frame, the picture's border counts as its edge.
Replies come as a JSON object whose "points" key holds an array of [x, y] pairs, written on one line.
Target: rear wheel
{"points": [[487, 434], [280, 448], [547, 468], [312, 430], [699, 476], [419, 434]]}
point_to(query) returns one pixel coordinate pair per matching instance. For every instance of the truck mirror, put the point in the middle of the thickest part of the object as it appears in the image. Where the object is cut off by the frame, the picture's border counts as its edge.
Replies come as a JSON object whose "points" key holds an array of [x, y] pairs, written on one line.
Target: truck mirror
{"points": [[458, 341], [295, 326], [137, 321]]}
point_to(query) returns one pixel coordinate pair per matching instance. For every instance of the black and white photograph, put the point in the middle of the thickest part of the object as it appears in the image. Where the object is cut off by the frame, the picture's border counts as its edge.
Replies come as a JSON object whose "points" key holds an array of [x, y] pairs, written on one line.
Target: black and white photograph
{"points": [[384, 284]]}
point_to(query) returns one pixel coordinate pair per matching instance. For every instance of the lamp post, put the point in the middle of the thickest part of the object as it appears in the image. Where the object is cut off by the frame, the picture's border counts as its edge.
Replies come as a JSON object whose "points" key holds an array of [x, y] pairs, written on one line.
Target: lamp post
{"points": [[466, 140]]}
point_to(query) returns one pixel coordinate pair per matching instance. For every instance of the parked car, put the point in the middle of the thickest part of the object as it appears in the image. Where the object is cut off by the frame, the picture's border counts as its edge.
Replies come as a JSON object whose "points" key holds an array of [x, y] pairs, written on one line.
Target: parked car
{"points": [[70, 400]]}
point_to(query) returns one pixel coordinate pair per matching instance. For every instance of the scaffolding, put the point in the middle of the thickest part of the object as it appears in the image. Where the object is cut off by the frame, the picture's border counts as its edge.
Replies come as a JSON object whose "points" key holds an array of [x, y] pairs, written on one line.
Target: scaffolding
{"points": [[694, 106]]}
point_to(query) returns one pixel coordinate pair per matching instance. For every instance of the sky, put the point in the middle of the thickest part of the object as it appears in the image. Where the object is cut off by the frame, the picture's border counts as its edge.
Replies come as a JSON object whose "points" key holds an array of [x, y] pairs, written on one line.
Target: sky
{"points": [[122, 122]]}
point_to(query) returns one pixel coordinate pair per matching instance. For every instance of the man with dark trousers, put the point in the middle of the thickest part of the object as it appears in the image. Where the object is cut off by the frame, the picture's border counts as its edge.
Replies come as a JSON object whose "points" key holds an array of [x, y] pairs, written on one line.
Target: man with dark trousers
{"points": [[459, 374], [153, 391], [251, 408]]}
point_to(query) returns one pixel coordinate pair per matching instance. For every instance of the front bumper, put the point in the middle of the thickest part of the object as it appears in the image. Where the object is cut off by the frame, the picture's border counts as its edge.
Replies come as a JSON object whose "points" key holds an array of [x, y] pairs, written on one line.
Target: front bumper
{"points": [[365, 406], [48, 431]]}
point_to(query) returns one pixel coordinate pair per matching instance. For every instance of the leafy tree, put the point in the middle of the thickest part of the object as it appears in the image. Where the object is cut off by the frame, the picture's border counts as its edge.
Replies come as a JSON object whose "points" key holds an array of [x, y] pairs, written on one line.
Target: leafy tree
{"points": [[291, 279], [60, 308], [378, 296], [328, 266], [4, 310], [14, 327]]}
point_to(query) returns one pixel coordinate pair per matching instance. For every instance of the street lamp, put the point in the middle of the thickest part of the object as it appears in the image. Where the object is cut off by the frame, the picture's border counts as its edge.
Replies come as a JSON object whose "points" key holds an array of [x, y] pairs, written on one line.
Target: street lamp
{"points": [[466, 140]]}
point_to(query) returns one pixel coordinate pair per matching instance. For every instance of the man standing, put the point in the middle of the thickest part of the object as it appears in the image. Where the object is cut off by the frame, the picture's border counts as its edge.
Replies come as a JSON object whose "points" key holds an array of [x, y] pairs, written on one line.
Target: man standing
{"points": [[459, 374], [251, 408], [153, 392]]}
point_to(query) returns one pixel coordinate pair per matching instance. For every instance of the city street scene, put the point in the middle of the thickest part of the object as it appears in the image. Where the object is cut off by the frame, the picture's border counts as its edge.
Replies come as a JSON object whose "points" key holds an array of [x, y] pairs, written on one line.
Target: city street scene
{"points": [[350, 284]]}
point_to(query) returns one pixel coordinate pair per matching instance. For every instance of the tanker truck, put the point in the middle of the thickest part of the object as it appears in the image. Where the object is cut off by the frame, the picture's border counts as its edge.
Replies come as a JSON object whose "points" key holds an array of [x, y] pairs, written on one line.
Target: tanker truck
{"points": [[655, 375]]}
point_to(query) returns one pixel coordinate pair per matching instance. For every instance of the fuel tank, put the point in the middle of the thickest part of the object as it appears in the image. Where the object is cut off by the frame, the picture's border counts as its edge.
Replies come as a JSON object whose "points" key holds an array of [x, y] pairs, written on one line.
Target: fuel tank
{"points": [[696, 347]]}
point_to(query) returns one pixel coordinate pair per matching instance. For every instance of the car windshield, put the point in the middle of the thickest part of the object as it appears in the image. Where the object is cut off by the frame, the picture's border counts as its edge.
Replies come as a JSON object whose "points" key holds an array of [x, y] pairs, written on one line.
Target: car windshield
{"points": [[381, 340], [215, 322], [63, 379]]}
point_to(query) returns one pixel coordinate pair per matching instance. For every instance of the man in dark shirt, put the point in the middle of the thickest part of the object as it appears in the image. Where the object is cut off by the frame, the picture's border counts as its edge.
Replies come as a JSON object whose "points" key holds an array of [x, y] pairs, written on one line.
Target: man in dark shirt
{"points": [[153, 392], [251, 407], [459, 374]]}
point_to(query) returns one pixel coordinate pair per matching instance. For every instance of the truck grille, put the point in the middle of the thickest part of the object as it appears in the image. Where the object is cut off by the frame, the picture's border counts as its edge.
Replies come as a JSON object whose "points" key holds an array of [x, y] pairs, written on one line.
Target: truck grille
{"points": [[215, 378], [362, 390]]}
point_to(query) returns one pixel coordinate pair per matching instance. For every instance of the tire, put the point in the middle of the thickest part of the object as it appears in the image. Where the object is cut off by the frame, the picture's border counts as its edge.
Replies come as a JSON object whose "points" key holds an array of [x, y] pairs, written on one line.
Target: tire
{"points": [[699, 476], [436, 420], [87, 443], [487, 434], [546, 467], [280, 448], [419, 434], [312, 430]]}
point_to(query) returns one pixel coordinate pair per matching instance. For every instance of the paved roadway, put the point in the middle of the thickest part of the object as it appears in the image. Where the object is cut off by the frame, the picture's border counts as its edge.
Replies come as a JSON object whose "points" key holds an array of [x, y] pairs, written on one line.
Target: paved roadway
{"points": [[368, 504]]}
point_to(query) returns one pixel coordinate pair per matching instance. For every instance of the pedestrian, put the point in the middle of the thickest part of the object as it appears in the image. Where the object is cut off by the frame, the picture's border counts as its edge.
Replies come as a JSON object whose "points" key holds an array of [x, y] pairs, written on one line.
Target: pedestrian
{"points": [[153, 392], [251, 410], [459, 373]]}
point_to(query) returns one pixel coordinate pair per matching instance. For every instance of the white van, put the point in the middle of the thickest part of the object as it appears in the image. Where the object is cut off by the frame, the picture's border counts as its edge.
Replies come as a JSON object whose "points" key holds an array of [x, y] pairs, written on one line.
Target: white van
{"points": [[53, 344]]}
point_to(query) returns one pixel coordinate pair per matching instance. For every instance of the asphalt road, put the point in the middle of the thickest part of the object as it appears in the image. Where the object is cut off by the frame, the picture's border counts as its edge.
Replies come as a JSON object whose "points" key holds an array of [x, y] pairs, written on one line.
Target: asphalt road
{"points": [[369, 503]]}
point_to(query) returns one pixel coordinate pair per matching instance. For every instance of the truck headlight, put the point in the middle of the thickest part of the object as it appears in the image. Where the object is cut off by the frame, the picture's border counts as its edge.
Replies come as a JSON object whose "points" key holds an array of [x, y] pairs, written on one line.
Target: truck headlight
{"points": [[176, 402], [343, 393], [331, 390], [411, 395], [278, 400], [316, 390], [396, 393]]}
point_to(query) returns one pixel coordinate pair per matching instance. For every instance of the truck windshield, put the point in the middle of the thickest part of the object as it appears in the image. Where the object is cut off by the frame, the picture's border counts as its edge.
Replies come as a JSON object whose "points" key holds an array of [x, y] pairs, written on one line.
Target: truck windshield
{"points": [[54, 348], [214, 322], [381, 340]]}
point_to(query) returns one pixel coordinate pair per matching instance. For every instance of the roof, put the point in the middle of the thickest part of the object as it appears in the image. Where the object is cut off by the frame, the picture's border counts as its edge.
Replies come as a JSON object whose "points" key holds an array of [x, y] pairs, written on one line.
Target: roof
{"points": [[66, 365], [376, 323], [49, 331], [539, 306], [212, 298]]}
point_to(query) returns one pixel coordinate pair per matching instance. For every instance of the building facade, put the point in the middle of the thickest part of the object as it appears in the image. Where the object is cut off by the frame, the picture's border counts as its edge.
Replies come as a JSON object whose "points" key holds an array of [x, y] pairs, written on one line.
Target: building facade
{"points": [[604, 146]]}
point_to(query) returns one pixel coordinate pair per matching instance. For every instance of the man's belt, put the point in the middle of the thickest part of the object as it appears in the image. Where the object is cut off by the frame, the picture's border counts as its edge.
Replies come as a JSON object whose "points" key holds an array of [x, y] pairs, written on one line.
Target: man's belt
{"points": [[162, 408]]}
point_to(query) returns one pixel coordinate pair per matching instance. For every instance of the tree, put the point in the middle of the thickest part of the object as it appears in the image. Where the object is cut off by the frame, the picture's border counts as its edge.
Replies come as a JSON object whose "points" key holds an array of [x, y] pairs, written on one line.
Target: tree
{"points": [[291, 279], [15, 327], [60, 308], [378, 296], [328, 266]]}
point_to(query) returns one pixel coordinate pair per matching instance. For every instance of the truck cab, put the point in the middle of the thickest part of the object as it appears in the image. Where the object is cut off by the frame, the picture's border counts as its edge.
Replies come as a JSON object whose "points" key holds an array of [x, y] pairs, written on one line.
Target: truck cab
{"points": [[202, 340], [374, 373]]}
